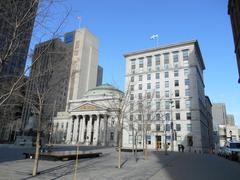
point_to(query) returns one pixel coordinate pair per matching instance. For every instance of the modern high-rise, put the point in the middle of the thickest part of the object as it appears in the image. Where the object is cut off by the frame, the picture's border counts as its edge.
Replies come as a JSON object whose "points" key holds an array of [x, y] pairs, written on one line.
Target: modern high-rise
{"points": [[99, 75], [73, 70], [167, 103], [234, 12]]}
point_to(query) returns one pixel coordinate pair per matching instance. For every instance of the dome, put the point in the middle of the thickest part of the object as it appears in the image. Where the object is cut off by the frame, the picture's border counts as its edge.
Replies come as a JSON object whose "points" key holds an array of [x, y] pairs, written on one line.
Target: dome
{"points": [[103, 90]]}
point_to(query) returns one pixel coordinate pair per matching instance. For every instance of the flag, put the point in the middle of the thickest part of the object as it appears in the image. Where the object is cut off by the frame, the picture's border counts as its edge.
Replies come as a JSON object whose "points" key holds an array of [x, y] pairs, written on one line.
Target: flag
{"points": [[154, 36]]}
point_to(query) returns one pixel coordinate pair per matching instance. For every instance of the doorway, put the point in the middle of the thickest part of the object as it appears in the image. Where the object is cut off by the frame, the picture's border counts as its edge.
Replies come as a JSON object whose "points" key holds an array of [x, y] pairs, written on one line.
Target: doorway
{"points": [[158, 142]]}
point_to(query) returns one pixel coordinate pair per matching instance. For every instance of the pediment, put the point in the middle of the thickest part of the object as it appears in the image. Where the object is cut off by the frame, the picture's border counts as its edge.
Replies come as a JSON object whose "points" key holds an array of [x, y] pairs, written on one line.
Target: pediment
{"points": [[88, 107]]}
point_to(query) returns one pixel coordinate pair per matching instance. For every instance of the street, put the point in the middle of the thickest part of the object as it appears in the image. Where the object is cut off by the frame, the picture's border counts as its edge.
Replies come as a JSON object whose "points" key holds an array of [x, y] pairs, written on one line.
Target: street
{"points": [[175, 166]]}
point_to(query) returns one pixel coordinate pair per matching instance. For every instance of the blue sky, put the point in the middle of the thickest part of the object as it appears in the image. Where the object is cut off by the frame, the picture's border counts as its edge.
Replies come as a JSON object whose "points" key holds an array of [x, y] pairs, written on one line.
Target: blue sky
{"points": [[126, 25]]}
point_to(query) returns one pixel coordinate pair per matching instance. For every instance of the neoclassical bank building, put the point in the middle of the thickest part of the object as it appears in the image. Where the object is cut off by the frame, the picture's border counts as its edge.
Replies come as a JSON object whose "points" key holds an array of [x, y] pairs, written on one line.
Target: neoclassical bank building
{"points": [[91, 120]]}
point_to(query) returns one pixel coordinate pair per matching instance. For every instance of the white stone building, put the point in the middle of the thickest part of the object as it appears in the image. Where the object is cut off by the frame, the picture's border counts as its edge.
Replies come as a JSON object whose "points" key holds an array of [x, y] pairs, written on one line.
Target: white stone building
{"points": [[91, 120], [167, 98]]}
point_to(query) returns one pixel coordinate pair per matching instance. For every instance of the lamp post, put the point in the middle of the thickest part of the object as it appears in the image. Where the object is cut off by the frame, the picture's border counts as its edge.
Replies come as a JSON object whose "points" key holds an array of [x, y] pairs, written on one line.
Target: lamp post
{"points": [[230, 132]]}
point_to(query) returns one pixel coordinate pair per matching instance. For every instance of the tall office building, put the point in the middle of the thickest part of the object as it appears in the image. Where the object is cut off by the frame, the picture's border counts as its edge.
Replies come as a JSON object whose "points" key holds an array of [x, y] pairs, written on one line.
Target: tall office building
{"points": [[234, 12], [99, 75], [16, 25], [73, 69], [167, 102]]}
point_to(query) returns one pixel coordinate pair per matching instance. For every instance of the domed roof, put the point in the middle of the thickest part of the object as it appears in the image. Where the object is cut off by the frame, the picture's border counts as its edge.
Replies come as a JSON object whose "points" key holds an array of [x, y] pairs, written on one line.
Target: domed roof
{"points": [[103, 90]]}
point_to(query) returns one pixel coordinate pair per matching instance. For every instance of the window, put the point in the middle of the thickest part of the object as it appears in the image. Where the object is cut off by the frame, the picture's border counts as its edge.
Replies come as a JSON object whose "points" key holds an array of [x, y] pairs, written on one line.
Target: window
{"points": [[178, 127], [131, 106], [167, 116], [131, 117], [132, 88], [140, 117], [132, 78], [157, 85], [157, 94], [166, 84], [132, 97], [140, 106], [157, 105], [149, 127], [189, 127], [148, 76], [185, 54], [177, 104], [176, 93], [158, 117], [140, 77], [149, 104], [148, 138], [149, 117], [175, 57], [130, 139], [139, 95], [166, 93], [139, 127], [187, 103], [133, 66], [166, 75], [187, 92], [189, 116], [186, 73], [187, 82], [178, 117], [157, 127], [157, 75], [185, 63], [140, 62], [149, 61], [148, 85], [157, 60], [167, 127], [140, 86], [166, 58], [148, 95], [176, 73], [176, 83], [167, 105], [111, 136]]}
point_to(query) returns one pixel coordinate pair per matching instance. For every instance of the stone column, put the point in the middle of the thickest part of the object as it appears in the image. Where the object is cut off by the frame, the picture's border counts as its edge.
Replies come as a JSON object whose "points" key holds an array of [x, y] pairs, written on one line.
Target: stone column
{"points": [[89, 129], [83, 129], [75, 134], [105, 121], [80, 128], [96, 131], [69, 130]]}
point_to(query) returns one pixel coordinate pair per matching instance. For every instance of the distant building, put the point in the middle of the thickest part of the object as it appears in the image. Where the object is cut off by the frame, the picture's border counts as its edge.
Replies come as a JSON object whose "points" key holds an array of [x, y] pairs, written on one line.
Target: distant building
{"points": [[234, 12], [167, 99], [230, 120], [219, 114], [91, 120], [99, 75]]}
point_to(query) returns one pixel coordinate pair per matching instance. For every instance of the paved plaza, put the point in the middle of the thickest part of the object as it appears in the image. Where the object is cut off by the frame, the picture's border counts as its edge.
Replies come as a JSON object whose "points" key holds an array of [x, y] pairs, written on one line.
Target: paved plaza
{"points": [[174, 166]]}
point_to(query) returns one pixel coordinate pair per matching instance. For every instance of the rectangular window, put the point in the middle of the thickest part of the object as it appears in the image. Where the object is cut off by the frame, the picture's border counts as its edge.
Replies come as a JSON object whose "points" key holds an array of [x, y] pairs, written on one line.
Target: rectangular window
{"points": [[148, 95], [176, 93], [140, 77], [157, 94], [178, 117], [149, 61], [157, 127], [158, 117], [178, 127], [166, 60], [175, 57], [168, 127], [166, 74], [140, 106], [176, 73], [133, 66], [157, 85], [140, 86], [167, 105], [189, 127], [139, 127], [132, 87], [139, 95], [185, 54], [166, 93], [131, 106], [149, 138], [187, 92], [157, 105], [111, 136], [177, 104], [189, 116], [186, 73], [139, 117], [187, 103], [148, 85], [149, 127], [149, 117], [157, 75], [140, 62], [131, 97], [157, 60], [131, 117], [130, 127], [187, 82], [132, 78], [166, 84], [148, 76], [167, 116], [176, 83], [130, 139]]}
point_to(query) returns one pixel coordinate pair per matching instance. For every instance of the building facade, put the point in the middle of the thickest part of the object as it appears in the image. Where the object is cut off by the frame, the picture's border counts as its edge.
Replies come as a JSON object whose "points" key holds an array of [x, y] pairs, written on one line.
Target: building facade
{"points": [[167, 103], [91, 120], [234, 12]]}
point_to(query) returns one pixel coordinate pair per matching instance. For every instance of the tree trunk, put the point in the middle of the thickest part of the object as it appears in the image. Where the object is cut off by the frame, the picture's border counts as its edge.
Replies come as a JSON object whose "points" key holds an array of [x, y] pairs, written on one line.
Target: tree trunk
{"points": [[119, 150], [35, 166]]}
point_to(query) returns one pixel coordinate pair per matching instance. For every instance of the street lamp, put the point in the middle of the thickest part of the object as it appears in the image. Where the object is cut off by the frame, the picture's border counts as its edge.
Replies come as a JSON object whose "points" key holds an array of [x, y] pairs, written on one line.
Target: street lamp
{"points": [[230, 132]]}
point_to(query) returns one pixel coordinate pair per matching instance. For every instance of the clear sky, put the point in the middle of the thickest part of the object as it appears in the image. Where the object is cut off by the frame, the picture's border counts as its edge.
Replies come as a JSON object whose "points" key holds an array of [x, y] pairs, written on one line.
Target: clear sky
{"points": [[125, 25]]}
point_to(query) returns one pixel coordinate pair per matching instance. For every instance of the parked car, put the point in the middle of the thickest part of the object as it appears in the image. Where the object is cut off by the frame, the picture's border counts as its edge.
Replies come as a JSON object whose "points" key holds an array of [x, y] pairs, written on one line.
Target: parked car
{"points": [[232, 150], [221, 151]]}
